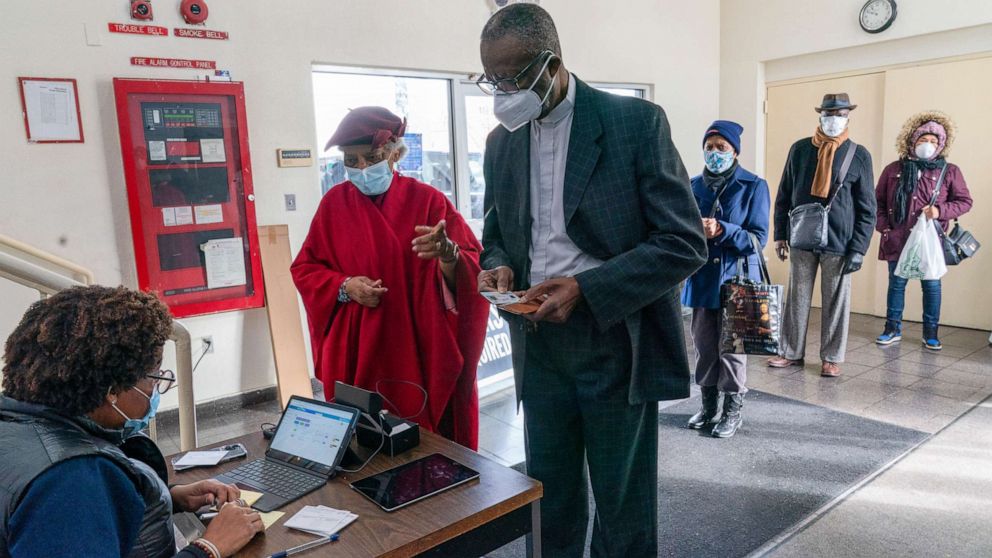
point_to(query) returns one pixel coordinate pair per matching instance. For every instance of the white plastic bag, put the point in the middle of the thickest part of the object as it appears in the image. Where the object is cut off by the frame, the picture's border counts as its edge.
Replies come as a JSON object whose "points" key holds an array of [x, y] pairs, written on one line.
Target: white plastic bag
{"points": [[923, 255]]}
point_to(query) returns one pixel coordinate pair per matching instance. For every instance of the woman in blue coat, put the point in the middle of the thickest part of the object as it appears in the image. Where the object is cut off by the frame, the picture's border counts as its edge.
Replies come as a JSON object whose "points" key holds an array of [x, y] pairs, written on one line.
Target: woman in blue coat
{"points": [[734, 203]]}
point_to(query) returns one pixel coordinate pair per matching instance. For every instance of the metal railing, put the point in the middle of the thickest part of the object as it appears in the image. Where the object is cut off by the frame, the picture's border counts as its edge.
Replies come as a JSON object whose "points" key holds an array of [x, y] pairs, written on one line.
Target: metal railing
{"points": [[48, 282]]}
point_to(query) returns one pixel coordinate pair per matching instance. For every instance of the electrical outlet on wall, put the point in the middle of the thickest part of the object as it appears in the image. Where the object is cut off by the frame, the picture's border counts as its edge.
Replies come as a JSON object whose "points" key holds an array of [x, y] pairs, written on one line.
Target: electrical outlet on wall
{"points": [[290, 202]]}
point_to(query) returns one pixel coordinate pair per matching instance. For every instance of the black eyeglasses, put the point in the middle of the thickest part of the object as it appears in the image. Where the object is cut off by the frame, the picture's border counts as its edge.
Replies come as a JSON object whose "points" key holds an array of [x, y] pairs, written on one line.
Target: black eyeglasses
{"points": [[164, 380], [508, 85]]}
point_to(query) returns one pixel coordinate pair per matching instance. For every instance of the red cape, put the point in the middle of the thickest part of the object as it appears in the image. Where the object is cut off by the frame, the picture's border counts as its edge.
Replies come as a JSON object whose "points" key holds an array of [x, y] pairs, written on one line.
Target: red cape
{"points": [[411, 336]]}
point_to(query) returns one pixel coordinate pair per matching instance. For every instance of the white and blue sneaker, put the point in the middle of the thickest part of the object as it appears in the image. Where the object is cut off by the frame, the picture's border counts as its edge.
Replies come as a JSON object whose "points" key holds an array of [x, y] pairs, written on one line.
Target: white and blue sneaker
{"points": [[930, 340], [891, 334]]}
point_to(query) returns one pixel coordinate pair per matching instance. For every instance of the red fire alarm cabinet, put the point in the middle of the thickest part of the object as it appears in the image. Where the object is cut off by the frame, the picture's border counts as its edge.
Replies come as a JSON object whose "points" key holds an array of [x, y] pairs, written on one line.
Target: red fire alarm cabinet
{"points": [[189, 189]]}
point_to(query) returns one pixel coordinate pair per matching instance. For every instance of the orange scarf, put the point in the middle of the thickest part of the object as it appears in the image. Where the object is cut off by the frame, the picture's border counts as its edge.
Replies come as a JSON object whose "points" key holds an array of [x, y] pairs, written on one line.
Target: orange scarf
{"points": [[825, 161]]}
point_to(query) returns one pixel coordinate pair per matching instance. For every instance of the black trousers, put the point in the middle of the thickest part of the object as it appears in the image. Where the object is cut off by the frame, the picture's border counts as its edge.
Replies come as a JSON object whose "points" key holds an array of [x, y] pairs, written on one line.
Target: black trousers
{"points": [[581, 430]]}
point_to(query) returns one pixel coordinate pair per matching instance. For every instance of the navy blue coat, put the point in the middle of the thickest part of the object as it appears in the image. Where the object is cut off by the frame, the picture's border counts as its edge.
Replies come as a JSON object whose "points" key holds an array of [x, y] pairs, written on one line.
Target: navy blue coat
{"points": [[744, 207]]}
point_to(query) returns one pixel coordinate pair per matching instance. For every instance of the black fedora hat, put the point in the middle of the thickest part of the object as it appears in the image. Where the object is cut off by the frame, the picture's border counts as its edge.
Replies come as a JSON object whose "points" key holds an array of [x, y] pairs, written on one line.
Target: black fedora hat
{"points": [[836, 101]]}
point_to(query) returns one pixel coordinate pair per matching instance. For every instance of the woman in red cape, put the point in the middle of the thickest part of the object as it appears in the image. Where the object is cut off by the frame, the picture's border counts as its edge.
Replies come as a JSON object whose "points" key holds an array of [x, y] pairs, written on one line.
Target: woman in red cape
{"points": [[388, 278]]}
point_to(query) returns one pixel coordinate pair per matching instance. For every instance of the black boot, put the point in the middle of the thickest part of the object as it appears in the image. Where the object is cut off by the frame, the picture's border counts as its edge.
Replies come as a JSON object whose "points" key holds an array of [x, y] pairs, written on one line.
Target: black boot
{"points": [[706, 415], [732, 420]]}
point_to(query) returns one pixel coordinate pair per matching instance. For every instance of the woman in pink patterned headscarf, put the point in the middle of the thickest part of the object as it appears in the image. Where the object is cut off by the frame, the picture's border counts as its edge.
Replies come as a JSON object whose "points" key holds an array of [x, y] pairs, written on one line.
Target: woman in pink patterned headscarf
{"points": [[907, 191]]}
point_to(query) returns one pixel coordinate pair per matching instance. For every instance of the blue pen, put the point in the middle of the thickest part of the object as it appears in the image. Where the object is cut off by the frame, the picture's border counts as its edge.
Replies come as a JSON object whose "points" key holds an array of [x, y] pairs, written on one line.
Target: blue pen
{"points": [[305, 546]]}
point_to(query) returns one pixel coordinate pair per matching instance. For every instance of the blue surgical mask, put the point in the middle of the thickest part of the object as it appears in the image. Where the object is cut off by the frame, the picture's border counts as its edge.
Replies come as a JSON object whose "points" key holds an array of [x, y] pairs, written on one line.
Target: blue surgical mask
{"points": [[132, 426], [372, 180], [718, 161]]}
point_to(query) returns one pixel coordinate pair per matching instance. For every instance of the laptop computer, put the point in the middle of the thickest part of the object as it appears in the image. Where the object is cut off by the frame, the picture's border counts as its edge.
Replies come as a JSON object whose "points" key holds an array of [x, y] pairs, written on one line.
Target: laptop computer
{"points": [[310, 440]]}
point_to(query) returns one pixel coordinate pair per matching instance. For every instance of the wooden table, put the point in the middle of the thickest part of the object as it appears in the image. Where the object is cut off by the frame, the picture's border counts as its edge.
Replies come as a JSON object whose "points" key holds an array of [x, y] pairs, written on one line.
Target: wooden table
{"points": [[468, 520]]}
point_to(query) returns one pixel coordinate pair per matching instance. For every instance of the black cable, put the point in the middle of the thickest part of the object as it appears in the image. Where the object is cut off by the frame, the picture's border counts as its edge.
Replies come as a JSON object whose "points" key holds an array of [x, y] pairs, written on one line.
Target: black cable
{"points": [[206, 348], [268, 430], [393, 405], [382, 442]]}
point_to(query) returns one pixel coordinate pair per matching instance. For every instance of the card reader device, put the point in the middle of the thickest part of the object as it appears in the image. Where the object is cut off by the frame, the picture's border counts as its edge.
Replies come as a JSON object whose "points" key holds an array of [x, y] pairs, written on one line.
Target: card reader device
{"points": [[397, 436]]}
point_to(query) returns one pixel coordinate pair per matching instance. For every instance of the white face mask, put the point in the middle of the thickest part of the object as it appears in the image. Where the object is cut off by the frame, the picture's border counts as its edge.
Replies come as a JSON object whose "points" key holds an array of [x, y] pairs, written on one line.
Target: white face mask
{"points": [[833, 126], [926, 150], [514, 110]]}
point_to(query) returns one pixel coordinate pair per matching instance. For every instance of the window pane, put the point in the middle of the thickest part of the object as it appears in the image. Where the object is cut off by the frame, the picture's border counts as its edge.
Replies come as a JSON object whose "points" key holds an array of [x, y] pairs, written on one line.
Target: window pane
{"points": [[479, 120], [624, 91], [424, 102]]}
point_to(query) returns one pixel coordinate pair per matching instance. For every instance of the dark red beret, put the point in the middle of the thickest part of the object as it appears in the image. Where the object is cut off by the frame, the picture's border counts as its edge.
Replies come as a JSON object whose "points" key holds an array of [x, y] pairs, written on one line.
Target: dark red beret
{"points": [[367, 126]]}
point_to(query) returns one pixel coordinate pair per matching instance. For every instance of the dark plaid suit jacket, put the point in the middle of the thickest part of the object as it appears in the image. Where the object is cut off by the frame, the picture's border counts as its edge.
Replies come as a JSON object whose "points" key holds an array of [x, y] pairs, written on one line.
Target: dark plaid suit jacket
{"points": [[627, 202]]}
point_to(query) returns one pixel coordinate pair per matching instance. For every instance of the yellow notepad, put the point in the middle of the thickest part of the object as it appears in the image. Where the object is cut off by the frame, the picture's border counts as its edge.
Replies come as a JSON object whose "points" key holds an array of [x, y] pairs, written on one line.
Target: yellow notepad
{"points": [[268, 518]]}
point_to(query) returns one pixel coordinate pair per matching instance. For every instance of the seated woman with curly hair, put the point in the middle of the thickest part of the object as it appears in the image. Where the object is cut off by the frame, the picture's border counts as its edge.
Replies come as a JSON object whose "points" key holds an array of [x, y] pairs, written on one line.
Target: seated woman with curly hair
{"points": [[77, 475]]}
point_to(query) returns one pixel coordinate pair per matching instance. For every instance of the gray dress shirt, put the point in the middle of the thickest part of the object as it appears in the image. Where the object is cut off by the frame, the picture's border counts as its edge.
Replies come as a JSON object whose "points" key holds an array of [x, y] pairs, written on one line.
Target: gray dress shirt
{"points": [[552, 252]]}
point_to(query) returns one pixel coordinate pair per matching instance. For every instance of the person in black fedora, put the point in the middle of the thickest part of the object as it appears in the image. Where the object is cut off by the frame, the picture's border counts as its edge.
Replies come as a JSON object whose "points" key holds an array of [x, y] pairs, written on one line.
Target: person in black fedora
{"points": [[823, 180]]}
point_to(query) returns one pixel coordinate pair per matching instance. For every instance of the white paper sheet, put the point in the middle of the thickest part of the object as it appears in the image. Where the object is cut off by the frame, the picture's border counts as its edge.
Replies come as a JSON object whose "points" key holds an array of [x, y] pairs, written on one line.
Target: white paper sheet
{"points": [[156, 151], [206, 214], [200, 458], [212, 150], [51, 110], [169, 216], [320, 520], [184, 215], [225, 262]]}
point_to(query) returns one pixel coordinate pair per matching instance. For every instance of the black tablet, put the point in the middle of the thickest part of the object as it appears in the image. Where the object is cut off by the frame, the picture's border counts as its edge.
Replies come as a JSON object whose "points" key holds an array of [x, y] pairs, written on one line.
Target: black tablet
{"points": [[414, 481]]}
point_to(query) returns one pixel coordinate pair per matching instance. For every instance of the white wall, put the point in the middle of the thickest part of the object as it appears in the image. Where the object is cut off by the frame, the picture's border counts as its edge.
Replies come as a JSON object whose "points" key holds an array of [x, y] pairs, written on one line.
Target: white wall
{"points": [[76, 192], [785, 39]]}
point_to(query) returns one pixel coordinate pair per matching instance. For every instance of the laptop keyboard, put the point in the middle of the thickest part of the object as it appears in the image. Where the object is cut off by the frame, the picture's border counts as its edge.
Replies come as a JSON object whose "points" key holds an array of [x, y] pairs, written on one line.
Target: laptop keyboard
{"points": [[278, 479]]}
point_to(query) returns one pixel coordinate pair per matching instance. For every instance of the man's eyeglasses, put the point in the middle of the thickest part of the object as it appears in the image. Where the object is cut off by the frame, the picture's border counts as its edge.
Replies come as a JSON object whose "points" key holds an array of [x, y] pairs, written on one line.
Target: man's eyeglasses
{"points": [[164, 380], [508, 85]]}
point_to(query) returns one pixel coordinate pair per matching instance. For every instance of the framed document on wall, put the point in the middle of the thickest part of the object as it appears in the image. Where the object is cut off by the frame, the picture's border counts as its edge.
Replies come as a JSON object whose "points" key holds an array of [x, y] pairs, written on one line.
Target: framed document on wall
{"points": [[51, 110]]}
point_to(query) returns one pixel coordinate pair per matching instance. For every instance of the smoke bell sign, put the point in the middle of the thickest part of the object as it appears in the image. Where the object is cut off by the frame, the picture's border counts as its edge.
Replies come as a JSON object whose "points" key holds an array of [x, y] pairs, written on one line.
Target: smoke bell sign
{"points": [[174, 63], [200, 34]]}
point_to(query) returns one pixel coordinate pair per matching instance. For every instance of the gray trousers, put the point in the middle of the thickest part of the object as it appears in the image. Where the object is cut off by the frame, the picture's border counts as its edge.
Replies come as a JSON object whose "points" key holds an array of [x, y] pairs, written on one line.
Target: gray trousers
{"points": [[835, 289], [580, 430], [725, 371]]}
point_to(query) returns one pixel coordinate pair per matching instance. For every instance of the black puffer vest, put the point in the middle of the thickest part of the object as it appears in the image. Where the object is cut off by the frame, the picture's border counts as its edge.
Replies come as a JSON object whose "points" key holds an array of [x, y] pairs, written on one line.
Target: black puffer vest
{"points": [[35, 438]]}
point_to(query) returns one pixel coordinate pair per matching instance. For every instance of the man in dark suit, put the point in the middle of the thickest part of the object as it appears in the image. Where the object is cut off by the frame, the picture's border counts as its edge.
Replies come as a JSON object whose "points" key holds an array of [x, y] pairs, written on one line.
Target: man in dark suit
{"points": [[588, 210]]}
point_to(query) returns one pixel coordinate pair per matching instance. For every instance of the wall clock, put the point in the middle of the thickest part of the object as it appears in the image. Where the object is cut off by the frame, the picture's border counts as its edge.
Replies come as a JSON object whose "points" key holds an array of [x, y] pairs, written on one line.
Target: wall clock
{"points": [[877, 15], [496, 5]]}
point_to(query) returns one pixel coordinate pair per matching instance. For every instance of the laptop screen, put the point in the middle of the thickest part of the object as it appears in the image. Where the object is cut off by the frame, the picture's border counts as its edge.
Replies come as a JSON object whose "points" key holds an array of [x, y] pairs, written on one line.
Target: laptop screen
{"points": [[312, 434]]}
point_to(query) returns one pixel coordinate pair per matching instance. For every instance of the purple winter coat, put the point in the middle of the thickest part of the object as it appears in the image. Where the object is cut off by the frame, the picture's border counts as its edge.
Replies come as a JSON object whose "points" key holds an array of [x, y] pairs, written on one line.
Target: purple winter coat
{"points": [[953, 201]]}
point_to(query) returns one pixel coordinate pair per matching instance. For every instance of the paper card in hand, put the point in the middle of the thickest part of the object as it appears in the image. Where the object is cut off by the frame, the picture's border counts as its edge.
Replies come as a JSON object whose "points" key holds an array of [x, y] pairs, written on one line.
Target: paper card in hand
{"points": [[500, 299]]}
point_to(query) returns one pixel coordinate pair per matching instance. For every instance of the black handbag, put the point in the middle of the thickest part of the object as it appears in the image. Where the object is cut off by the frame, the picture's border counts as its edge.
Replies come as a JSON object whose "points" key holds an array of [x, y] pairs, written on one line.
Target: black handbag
{"points": [[751, 314], [809, 222], [958, 244]]}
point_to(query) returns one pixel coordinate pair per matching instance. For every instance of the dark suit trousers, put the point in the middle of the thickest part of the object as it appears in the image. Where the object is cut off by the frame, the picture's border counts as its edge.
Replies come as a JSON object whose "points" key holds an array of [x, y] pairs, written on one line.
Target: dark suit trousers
{"points": [[576, 414]]}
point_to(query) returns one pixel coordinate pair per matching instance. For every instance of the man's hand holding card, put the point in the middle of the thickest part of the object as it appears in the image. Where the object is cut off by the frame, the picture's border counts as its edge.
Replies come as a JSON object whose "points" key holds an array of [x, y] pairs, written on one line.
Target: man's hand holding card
{"points": [[512, 303]]}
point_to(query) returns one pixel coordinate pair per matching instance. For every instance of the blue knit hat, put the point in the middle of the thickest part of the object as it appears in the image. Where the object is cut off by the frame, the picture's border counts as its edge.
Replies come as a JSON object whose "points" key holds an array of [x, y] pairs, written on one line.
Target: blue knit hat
{"points": [[730, 131]]}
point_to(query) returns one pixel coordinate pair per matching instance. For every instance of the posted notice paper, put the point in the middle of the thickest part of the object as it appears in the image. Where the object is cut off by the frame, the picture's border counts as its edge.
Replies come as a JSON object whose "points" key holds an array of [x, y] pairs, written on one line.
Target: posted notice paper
{"points": [[207, 214], [225, 262], [212, 150], [51, 110], [175, 216], [184, 215]]}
